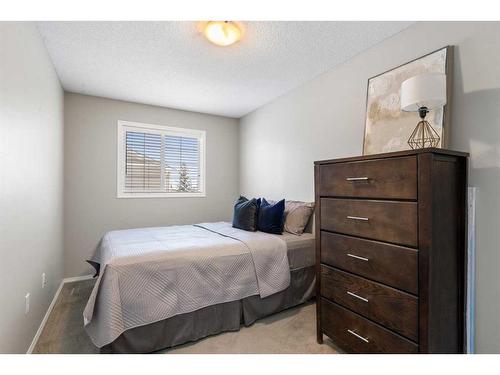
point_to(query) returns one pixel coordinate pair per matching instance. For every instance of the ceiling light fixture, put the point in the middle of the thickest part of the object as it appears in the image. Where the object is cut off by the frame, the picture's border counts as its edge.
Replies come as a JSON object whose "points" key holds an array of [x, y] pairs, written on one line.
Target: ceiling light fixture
{"points": [[222, 33]]}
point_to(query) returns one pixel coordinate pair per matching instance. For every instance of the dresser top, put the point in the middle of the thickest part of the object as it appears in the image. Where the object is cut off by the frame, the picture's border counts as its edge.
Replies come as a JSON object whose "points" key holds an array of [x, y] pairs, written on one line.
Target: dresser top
{"points": [[439, 151]]}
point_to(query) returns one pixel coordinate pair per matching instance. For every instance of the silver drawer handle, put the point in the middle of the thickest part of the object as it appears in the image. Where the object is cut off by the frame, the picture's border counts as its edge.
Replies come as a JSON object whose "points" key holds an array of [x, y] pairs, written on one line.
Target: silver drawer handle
{"points": [[356, 296], [357, 218], [357, 257], [356, 179], [358, 336]]}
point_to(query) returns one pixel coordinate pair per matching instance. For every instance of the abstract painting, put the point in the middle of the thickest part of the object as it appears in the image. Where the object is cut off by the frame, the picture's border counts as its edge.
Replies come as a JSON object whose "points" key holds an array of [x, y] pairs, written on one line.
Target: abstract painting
{"points": [[387, 128]]}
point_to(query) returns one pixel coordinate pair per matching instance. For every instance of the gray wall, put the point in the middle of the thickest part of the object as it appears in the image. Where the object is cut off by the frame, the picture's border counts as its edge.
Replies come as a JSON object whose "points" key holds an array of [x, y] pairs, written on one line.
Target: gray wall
{"points": [[31, 183], [325, 119], [90, 204]]}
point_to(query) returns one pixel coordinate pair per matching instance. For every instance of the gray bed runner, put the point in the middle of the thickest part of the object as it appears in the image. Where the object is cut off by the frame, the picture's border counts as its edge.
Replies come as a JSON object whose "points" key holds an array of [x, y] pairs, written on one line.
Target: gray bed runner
{"points": [[151, 274]]}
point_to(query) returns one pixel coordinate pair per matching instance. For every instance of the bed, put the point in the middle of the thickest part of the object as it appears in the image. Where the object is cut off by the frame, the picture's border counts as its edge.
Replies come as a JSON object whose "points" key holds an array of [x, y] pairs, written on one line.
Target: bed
{"points": [[161, 287]]}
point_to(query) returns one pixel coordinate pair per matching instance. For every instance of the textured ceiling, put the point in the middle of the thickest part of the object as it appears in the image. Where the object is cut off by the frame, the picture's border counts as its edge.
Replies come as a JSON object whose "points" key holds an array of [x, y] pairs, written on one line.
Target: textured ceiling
{"points": [[171, 64]]}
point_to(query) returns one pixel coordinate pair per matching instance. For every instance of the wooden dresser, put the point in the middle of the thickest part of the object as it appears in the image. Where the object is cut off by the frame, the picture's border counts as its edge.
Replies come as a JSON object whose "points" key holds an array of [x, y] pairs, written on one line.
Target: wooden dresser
{"points": [[390, 251]]}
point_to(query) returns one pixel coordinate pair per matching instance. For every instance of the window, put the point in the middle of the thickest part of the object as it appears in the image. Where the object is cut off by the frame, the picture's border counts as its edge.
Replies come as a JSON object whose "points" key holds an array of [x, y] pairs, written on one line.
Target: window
{"points": [[160, 161]]}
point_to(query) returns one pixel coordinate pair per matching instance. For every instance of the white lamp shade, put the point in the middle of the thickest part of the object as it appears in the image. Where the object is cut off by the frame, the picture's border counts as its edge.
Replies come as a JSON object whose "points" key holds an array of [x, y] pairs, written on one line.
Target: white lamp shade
{"points": [[426, 90]]}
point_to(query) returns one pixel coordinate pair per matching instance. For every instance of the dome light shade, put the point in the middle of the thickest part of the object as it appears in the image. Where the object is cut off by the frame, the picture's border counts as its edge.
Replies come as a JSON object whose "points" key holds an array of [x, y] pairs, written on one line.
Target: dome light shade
{"points": [[222, 33]]}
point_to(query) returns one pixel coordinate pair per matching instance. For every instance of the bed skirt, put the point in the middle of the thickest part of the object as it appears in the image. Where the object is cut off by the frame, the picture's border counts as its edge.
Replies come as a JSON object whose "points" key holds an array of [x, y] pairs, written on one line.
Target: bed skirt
{"points": [[214, 319]]}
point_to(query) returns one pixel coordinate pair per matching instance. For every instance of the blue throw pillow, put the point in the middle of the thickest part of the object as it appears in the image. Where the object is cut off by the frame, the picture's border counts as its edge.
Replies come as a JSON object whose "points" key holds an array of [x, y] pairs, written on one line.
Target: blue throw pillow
{"points": [[246, 214], [271, 217]]}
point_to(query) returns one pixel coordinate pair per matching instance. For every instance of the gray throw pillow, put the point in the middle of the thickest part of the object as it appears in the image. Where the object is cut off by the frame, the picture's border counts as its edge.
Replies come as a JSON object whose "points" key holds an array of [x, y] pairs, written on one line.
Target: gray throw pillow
{"points": [[297, 215], [245, 214]]}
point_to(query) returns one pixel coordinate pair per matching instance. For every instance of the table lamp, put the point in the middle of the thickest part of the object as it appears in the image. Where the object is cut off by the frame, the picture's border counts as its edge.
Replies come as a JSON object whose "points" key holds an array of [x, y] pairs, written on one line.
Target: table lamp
{"points": [[421, 94]]}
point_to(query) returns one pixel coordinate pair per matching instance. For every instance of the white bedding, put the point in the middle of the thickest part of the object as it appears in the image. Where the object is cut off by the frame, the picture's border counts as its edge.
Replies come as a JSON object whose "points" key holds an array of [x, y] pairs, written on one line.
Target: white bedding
{"points": [[151, 274], [300, 248]]}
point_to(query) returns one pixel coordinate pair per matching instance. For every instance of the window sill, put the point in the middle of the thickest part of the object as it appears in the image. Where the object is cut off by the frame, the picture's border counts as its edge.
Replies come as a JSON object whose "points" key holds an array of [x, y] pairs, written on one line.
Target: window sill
{"points": [[161, 195]]}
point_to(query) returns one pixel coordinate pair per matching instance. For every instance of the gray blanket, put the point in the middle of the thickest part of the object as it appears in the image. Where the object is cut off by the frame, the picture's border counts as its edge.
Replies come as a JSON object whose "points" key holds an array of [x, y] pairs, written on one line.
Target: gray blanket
{"points": [[151, 274]]}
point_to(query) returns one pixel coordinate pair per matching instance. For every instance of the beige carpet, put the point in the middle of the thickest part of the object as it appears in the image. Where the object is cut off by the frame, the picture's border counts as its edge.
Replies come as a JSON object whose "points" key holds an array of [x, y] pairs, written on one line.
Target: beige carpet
{"points": [[291, 331]]}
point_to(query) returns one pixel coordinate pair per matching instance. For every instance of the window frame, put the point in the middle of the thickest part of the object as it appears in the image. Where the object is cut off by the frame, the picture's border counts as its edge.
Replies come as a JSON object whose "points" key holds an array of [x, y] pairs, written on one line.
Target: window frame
{"points": [[124, 126]]}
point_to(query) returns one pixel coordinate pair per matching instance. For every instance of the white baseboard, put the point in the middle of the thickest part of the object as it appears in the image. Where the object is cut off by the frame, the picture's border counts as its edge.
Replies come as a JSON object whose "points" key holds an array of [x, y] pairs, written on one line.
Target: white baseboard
{"points": [[51, 306]]}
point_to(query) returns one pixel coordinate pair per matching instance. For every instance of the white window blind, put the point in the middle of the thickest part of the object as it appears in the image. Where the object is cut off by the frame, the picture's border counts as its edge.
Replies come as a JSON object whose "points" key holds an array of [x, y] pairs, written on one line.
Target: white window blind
{"points": [[143, 161], [156, 161]]}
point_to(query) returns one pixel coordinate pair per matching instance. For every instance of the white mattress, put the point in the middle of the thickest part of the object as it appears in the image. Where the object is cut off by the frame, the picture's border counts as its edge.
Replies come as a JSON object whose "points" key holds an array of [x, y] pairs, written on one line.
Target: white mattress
{"points": [[300, 249]]}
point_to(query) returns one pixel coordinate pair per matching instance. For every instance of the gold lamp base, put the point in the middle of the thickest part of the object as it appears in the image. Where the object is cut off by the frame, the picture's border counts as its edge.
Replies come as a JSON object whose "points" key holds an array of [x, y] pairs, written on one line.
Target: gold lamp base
{"points": [[423, 136]]}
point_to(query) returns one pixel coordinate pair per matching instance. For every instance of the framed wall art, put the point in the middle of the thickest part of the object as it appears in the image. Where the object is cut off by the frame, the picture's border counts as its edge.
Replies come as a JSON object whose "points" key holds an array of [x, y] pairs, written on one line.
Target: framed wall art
{"points": [[387, 128]]}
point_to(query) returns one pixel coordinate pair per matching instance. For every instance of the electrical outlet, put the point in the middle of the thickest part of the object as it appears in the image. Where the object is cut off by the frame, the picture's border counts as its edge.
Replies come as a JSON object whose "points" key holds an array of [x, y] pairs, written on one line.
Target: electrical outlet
{"points": [[44, 280], [27, 304]]}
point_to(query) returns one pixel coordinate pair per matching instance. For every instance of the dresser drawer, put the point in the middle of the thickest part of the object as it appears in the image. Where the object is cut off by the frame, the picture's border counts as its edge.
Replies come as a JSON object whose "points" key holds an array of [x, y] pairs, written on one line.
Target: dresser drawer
{"points": [[385, 305], [354, 333], [394, 265], [380, 220], [394, 178]]}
